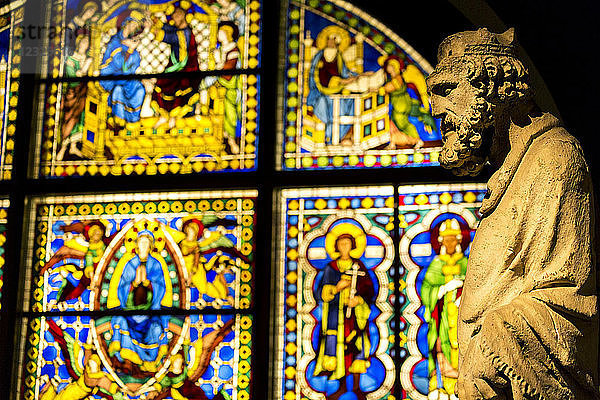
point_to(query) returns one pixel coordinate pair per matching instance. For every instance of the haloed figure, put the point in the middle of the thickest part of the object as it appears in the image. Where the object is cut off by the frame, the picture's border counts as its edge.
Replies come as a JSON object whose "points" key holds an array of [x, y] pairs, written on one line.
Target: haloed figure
{"points": [[229, 55], [329, 75], [173, 98], [345, 293], [440, 294], [196, 264], [403, 133], [77, 65], [121, 57], [139, 342]]}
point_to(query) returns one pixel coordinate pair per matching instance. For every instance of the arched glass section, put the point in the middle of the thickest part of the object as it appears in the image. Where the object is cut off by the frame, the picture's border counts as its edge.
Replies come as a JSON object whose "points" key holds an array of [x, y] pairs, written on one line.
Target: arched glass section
{"points": [[353, 93]]}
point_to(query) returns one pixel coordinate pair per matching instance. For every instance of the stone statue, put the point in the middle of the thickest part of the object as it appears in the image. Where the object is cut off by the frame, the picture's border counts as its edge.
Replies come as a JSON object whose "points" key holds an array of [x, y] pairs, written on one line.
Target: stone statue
{"points": [[528, 318]]}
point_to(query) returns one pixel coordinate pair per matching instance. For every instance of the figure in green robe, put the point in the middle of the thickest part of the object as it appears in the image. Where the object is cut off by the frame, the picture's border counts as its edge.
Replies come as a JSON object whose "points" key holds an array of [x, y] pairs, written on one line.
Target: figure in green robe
{"points": [[403, 106], [227, 36], [76, 66], [440, 295]]}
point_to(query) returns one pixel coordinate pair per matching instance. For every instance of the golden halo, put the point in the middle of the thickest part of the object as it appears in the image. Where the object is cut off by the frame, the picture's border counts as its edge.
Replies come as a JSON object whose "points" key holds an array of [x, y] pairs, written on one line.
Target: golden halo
{"points": [[89, 5], [153, 226], [346, 228], [137, 15], [342, 34]]}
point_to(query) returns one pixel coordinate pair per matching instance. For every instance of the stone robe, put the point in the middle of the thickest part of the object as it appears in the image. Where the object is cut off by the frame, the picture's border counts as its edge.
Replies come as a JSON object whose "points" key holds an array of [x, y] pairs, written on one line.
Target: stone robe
{"points": [[529, 305]]}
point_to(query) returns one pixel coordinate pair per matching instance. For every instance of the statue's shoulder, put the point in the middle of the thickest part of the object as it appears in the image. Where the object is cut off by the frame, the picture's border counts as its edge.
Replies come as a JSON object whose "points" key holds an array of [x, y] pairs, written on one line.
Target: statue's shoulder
{"points": [[557, 150]]}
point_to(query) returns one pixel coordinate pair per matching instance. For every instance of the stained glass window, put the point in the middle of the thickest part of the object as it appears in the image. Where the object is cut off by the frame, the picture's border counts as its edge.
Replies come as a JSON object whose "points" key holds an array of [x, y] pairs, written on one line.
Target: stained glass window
{"points": [[127, 91], [11, 16], [354, 93], [335, 308], [186, 294], [140, 296]]}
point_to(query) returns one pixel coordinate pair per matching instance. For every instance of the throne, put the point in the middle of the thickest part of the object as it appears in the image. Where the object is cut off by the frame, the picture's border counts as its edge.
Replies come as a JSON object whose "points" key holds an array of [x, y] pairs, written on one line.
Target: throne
{"points": [[199, 134]]}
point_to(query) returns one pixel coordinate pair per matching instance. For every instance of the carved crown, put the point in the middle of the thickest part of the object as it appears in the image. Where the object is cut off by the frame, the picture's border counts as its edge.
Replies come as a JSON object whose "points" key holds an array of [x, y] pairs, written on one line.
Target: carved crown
{"points": [[479, 42]]}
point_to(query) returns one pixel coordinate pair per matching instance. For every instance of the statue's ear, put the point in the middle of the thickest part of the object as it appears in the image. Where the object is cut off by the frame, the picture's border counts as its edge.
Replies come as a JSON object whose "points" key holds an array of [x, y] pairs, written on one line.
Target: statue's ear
{"points": [[508, 37]]}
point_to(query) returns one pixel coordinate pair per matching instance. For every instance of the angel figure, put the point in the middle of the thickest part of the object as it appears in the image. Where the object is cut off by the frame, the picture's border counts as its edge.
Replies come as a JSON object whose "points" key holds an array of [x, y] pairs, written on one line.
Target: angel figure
{"points": [[200, 242], [401, 78], [88, 247], [180, 380], [82, 366]]}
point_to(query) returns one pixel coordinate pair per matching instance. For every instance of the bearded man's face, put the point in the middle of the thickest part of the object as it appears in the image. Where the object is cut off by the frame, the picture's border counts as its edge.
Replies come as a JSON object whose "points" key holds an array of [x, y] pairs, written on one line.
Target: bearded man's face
{"points": [[466, 117]]}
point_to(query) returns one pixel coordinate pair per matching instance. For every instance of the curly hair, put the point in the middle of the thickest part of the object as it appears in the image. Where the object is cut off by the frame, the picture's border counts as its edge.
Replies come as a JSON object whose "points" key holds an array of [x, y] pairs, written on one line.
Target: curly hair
{"points": [[501, 80]]}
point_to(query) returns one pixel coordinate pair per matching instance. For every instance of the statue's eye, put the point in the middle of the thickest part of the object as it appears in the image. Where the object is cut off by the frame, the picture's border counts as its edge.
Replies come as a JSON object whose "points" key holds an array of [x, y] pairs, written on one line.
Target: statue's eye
{"points": [[443, 89]]}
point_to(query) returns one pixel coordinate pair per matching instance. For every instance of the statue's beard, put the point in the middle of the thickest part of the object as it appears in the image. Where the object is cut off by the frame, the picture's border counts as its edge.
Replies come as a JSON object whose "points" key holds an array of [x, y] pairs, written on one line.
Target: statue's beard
{"points": [[463, 137]]}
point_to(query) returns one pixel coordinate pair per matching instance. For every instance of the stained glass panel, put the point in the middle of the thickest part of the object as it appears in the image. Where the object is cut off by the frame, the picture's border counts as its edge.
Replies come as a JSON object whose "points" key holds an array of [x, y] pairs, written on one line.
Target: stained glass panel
{"points": [[79, 357], [150, 126], [354, 93], [84, 250], [161, 36], [121, 279], [11, 16], [437, 226], [335, 333]]}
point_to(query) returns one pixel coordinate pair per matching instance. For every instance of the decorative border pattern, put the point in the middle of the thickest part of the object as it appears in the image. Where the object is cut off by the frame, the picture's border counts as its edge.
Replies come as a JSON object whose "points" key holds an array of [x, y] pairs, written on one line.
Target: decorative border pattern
{"points": [[4, 204], [11, 17]]}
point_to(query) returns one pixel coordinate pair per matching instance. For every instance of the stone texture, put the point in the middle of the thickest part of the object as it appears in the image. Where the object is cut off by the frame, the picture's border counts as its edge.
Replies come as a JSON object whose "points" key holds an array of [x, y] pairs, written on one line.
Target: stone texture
{"points": [[528, 318]]}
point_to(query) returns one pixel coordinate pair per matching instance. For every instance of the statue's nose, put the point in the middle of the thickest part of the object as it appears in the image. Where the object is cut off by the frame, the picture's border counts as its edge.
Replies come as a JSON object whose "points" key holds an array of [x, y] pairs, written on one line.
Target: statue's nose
{"points": [[438, 109]]}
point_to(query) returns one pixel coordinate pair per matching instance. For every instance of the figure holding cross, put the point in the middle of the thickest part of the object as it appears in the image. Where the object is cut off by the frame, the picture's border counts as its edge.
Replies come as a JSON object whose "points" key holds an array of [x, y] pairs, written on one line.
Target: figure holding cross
{"points": [[354, 274], [345, 294]]}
